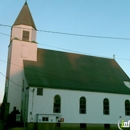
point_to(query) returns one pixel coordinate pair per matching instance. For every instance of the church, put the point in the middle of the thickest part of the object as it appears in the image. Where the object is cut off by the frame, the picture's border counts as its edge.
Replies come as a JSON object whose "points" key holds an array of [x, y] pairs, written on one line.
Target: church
{"points": [[60, 90]]}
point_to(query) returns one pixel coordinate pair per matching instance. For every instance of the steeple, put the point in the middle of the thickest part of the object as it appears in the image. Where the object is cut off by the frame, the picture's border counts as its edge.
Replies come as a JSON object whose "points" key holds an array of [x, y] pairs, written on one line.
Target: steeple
{"points": [[25, 17], [22, 46]]}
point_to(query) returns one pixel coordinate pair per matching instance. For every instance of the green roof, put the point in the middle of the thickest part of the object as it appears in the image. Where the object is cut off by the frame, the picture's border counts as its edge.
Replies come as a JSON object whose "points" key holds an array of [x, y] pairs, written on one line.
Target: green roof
{"points": [[25, 17], [62, 70]]}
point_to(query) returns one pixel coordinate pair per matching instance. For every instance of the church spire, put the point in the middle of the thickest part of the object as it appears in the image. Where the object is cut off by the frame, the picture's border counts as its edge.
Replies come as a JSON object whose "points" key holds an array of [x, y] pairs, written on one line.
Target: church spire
{"points": [[25, 17], [25, 1]]}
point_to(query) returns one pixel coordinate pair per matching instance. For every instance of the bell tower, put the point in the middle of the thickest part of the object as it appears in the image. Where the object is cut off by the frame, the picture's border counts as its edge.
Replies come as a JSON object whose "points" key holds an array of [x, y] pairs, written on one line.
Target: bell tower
{"points": [[22, 46], [24, 27]]}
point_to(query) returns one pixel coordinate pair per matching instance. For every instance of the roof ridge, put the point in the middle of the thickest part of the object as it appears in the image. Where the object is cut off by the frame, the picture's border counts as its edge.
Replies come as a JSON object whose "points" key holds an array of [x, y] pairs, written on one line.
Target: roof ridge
{"points": [[76, 53]]}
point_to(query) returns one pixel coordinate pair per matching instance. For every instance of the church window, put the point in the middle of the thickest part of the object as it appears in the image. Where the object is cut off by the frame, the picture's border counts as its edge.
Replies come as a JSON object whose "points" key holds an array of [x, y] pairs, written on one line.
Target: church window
{"points": [[127, 107], [40, 91], [57, 104], [25, 36], [106, 106], [82, 105]]}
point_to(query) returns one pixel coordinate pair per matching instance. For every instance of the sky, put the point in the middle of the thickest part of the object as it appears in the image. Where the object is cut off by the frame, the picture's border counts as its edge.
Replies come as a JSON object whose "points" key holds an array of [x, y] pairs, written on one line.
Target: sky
{"points": [[105, 18]]}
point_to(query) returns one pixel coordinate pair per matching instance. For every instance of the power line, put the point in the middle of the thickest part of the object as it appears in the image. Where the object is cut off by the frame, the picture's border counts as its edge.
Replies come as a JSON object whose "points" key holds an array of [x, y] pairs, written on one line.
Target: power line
{"points": [[83, 53], [68, 50], [31, 90], [5, 25], [90, 84], [122, 58], [72, 34], [32, 69], [47, 73], [50, 75], [4, 34], [84, 35], [72, 51], [10, 80], [2, 80]]}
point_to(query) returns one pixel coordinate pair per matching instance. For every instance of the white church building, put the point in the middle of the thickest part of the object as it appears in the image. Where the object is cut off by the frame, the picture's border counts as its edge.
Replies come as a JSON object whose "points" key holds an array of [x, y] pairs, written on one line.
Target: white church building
{"points": [[54, 89]]}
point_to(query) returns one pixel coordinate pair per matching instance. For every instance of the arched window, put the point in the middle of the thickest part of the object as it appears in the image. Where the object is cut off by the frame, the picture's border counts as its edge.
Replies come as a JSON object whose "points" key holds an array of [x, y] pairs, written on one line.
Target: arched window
{"points": [[127, 107], [57, 104], [82, 105], [106, 106]]}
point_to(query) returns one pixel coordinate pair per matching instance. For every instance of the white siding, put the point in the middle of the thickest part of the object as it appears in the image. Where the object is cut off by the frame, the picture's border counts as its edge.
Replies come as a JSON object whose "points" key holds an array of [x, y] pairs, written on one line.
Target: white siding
{"points": [[70, 106]]}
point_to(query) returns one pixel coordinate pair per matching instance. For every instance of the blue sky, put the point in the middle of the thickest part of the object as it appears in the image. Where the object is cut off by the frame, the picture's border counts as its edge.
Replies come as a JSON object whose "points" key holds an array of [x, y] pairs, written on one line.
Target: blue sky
{"points": [[107, 18]]}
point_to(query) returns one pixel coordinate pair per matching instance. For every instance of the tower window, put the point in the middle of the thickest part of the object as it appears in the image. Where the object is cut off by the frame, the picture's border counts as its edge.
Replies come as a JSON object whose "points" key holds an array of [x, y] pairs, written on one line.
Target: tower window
{"points": [[25, 36]]}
